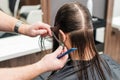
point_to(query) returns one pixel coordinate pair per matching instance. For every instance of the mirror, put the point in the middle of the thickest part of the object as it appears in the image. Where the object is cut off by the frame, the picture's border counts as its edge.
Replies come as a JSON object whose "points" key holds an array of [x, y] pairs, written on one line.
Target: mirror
{"points": [[116, 15], [23, 10]]}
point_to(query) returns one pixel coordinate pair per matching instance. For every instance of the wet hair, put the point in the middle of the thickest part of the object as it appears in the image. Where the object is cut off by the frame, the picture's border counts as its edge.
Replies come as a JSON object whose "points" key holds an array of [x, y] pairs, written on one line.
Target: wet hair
{"points": [[75, 20]]}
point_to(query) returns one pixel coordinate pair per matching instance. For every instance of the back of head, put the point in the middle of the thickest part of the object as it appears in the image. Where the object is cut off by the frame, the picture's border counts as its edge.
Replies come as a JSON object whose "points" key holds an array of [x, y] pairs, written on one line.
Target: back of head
{"points": [[75, 20], [73, 16]]}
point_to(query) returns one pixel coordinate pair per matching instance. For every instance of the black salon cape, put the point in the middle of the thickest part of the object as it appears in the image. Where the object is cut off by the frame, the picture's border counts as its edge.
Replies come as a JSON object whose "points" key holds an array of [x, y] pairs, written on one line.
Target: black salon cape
{"points": [[68, 73]]}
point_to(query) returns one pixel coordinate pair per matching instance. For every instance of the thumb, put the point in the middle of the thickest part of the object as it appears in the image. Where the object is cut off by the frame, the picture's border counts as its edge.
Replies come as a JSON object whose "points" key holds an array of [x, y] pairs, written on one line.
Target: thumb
{"points": [[58, 50]]}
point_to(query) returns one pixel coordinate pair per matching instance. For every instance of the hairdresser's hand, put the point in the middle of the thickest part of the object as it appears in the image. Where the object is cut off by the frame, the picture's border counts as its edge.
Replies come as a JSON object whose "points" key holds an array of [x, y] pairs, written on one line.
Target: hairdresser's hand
{"points": [[35, 29], [50, 62]]}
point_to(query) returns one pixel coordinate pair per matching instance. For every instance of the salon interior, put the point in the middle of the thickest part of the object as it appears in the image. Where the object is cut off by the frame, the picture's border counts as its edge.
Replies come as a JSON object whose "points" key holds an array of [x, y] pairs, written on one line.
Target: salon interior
{"points": [[18, 50]]}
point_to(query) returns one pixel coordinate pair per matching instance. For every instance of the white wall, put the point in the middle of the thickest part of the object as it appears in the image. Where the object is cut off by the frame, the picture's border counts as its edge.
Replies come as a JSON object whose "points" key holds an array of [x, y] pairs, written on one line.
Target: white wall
{"points": [[116, 11]]}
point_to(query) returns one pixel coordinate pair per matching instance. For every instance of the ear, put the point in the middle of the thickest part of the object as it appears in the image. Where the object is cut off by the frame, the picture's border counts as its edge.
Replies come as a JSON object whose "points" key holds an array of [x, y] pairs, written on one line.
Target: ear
{"points": [[62, 35]]}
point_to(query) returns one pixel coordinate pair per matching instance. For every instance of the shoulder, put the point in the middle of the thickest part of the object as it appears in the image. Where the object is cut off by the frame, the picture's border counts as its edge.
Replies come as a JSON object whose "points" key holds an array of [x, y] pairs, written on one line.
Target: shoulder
{"points": [[110, 61], [66, 73], [114, 66]]}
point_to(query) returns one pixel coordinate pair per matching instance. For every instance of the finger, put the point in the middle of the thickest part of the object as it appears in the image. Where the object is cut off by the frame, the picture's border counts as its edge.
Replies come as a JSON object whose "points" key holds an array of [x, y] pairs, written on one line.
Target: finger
{"points": [[64, 49], [44, 35], [49, 31], [41, 32], [47, 27], [58, 51], [64, 58]]}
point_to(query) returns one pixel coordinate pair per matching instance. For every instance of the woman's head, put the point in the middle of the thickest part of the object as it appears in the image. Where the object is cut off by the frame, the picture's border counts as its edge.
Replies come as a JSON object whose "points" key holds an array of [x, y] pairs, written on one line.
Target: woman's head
{"points": [[73, 16], [74, 24]]}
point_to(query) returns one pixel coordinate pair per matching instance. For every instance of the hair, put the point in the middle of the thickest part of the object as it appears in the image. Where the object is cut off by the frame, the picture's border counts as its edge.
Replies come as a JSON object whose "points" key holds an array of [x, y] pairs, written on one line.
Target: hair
{"points": [[75, 20]]}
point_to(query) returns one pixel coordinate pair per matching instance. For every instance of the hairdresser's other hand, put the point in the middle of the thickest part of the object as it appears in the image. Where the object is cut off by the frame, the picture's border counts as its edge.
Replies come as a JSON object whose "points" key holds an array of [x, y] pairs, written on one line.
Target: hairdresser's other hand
{"points": [[50, 62], [35, 29]]}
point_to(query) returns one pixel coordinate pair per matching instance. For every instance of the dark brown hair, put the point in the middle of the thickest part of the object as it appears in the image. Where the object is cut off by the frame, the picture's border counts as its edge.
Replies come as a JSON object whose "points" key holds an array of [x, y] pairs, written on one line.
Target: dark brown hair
{"points": [[75, 20]]}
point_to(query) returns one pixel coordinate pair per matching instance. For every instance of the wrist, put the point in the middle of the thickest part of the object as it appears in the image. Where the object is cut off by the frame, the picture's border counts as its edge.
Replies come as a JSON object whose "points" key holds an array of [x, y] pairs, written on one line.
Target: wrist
{"points": [[17, 26], [20, 28], [23, 29], [41, 67]]}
